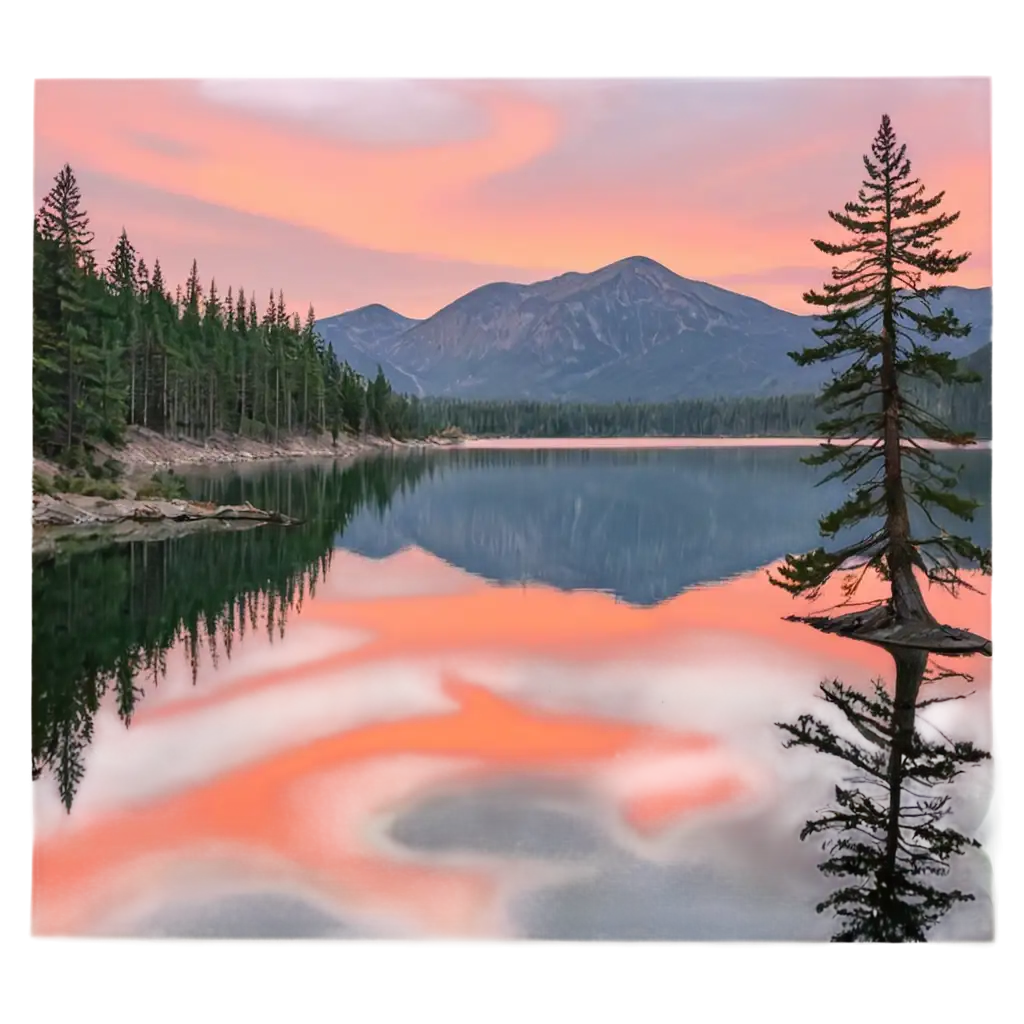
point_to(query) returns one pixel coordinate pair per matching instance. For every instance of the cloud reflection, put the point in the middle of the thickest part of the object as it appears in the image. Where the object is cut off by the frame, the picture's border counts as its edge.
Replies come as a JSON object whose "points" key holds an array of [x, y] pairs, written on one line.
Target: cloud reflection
{"points": [[426, 754]]}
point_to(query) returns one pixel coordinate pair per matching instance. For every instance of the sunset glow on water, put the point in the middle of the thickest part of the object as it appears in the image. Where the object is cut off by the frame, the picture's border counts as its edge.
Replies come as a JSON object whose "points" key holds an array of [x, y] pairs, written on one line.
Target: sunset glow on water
{"points": [[424, 753]]}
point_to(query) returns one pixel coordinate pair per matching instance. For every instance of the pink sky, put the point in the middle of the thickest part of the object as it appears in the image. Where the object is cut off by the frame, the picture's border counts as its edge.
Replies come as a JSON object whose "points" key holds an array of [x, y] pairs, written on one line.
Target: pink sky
{"points": [[345, 193]]}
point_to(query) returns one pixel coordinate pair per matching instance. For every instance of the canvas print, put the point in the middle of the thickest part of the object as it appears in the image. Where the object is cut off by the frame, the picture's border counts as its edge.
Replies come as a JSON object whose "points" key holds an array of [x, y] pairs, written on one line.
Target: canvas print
{"points": [[512, 509]]}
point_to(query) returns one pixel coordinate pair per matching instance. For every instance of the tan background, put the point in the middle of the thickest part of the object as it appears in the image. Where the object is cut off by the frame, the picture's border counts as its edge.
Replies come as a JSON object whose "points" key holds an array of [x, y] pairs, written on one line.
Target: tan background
{"points": [[44, 983]]}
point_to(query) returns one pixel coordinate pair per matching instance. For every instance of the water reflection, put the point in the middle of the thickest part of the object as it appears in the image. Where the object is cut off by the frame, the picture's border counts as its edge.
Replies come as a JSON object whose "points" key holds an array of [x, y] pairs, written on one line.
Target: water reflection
{"points": [[887, 834], [642, 524], [422, 752], [104, 621]]}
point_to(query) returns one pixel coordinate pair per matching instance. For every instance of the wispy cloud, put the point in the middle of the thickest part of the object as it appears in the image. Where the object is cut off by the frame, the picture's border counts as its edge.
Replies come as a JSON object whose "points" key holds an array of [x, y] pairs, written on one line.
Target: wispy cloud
{"points": [[724, 181]]}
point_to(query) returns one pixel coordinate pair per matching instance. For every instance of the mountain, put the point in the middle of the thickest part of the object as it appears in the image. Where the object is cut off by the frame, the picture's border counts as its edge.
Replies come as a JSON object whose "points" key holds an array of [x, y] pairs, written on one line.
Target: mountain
{"points": [[631, 330], [980, 361], [361, 337]]}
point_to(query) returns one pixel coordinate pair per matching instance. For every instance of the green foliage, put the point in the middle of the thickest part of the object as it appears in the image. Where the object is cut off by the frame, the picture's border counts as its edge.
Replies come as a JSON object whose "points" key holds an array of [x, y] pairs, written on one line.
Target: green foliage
{"points": [[114, 349], [967, 406], [167, 485], [877, 308], [41, 484], [86, 485]]}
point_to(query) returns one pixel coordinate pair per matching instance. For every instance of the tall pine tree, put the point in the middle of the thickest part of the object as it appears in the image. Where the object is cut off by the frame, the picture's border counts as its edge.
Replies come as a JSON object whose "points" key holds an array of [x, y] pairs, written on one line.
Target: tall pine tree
{"points": [[882, 324]]}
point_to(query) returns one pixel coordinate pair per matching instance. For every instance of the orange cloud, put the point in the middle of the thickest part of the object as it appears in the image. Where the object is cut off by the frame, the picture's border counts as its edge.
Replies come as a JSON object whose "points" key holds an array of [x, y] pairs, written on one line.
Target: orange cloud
{"points": [[551, 182]]}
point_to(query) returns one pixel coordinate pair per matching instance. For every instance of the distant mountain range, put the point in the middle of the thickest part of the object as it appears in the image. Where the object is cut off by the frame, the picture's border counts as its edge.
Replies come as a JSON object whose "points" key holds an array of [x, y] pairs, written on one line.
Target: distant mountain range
{"points": [[633, 330]]}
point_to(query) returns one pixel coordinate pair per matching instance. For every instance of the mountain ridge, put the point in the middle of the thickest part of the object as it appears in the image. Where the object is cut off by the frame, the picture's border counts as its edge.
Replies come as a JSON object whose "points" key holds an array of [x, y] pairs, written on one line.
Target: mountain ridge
{"points": [[631, 330]]}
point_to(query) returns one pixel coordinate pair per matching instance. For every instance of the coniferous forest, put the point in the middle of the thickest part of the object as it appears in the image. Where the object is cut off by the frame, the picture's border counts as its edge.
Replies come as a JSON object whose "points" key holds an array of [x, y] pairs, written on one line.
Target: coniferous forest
{"points": [[967, 407], [115, 346]]}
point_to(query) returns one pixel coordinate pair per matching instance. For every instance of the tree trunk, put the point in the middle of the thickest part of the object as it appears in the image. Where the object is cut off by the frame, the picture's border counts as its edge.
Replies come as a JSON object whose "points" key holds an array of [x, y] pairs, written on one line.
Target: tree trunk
{"points": [[145, 386], [910, 668], [132, 412], [241, 417], [907, 599]]}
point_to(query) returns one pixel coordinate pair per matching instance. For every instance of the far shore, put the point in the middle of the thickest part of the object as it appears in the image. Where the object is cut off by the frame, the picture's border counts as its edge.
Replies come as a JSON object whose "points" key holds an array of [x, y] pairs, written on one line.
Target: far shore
{"points": [[672, 442]]}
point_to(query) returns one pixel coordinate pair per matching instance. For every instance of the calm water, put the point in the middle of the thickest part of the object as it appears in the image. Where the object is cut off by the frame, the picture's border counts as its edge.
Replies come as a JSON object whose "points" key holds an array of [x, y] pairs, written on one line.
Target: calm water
{"points": [[476, 694]]}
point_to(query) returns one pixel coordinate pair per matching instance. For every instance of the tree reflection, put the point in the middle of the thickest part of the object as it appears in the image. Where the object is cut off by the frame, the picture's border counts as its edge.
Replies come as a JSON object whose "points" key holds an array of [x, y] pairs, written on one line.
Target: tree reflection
{"points": [[104, 620], [885, 836]]}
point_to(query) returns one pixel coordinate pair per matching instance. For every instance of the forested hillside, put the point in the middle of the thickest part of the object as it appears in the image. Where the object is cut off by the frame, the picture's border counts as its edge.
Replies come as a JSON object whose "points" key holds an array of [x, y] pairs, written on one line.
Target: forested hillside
{"points": [[114, 345], [966, 407]]}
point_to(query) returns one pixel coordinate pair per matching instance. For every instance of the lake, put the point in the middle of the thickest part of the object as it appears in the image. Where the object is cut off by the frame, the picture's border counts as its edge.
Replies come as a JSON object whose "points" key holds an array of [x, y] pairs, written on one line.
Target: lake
{"points": [[520, 693]]}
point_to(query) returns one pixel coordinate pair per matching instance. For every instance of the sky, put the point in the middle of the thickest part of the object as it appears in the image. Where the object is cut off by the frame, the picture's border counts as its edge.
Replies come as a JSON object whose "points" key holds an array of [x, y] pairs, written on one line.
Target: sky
{"points": [[411, 193]]}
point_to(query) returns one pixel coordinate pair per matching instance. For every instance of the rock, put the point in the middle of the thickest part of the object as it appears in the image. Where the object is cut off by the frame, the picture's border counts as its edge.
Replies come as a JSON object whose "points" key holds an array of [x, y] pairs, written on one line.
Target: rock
{"points": [[881, 627], [78, 510]]}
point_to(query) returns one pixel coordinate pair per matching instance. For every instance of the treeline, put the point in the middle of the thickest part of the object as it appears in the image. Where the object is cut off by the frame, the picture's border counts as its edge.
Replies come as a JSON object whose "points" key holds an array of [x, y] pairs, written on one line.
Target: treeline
{"points": [[966, 407], [114, 347]]}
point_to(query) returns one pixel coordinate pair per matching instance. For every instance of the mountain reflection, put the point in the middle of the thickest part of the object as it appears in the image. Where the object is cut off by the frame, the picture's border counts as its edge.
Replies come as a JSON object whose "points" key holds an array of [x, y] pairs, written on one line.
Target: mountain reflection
{"points": [[644, 525], [350, 741]]}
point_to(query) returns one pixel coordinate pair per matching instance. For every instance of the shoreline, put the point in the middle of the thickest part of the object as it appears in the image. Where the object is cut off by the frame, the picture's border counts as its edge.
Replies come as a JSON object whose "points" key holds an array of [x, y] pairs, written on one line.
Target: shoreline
{"points": [[148, 449], [527, 443], [62, 517]]}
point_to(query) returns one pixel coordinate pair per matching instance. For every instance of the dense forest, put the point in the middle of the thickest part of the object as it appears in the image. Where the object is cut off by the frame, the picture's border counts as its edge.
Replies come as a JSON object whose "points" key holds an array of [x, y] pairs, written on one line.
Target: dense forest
{"points": [[104, 620], [967, 407], [113, 346]]}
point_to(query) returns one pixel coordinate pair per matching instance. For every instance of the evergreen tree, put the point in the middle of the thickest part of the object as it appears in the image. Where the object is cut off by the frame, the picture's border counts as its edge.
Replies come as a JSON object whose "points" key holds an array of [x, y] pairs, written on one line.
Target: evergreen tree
{"points": [[122, 347], [62, 219], [377, 396], [122, 273], [882, 324], [71, 314], [354, 400]]}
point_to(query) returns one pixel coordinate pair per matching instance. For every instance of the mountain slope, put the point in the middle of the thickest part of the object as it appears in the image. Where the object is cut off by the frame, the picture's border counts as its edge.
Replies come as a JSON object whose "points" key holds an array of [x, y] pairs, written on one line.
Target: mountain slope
{"points": [[361, 337], [631, 330]]}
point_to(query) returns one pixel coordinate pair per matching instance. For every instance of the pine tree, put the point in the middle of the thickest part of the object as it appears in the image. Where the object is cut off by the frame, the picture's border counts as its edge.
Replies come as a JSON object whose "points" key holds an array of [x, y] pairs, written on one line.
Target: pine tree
{"points": [[117, 346], [122, 273], [62, 219], [242, 346], [881, 323], [353, 397], [66, 266]]}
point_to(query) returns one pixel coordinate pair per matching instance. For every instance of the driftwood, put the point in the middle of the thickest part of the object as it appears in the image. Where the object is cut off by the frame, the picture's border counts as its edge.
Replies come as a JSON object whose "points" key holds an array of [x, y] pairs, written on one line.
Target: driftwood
{"points": [[80, 510], [881, 626]]}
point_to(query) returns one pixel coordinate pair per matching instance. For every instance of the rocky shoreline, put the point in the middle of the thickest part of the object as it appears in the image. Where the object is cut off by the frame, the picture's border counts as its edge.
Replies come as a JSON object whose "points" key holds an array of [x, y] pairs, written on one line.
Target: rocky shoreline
{"points": [[59, 517]]}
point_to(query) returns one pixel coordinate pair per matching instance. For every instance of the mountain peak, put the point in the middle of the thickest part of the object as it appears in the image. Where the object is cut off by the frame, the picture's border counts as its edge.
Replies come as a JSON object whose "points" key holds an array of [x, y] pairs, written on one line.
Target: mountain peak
{"points": [[633, 329], [378, 309], [639, 262]]}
